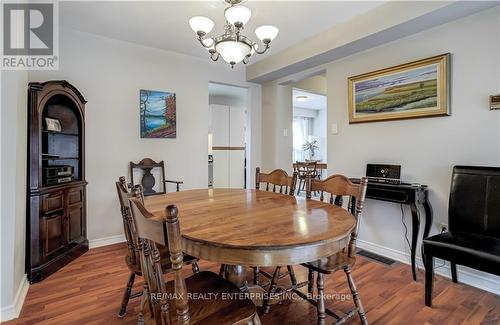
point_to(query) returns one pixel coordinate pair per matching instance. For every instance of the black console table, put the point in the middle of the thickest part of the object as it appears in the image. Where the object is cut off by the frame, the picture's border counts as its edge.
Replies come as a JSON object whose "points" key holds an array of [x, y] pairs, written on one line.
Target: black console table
{"points": [[408, 194]]}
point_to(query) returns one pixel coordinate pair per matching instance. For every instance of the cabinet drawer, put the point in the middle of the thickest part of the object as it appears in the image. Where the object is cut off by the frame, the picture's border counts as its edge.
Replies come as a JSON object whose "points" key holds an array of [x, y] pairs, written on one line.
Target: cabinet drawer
{"points": [[53, 202], [75, 196]]}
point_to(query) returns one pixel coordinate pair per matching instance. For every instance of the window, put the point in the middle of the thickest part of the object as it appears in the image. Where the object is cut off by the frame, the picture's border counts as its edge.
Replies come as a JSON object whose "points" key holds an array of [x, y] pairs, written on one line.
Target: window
{"points": [[302, 132]]}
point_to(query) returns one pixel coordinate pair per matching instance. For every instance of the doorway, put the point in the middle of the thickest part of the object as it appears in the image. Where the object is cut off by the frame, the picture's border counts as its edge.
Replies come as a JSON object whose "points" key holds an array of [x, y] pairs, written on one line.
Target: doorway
{"points": [[227, 137], [309, 126]]}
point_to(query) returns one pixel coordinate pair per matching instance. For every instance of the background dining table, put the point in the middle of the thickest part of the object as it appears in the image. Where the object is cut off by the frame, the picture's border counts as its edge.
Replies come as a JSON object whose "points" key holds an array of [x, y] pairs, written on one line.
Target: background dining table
{"points": [[242, 228]]}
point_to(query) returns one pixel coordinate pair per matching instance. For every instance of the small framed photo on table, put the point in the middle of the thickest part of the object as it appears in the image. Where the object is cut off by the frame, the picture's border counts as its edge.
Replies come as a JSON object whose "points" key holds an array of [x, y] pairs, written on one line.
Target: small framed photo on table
{"points": [[53, 124]]}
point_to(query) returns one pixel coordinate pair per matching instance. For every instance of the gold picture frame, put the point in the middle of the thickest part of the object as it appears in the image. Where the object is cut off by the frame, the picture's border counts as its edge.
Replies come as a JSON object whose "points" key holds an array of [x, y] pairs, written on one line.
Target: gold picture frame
{"points": [[411, 90]]}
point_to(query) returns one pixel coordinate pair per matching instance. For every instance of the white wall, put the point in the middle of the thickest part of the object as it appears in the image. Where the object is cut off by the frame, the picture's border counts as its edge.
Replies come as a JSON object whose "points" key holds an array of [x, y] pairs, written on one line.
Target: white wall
{"points": [[320, 133], [277, 113], [315, 84], [426, 148], [109, 73], [13, 115]]}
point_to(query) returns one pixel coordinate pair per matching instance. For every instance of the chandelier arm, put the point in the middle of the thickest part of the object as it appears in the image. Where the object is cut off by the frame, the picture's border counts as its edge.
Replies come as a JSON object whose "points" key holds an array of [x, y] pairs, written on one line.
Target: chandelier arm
{"points": [[201, 39], [266, 47], [214, 56]]}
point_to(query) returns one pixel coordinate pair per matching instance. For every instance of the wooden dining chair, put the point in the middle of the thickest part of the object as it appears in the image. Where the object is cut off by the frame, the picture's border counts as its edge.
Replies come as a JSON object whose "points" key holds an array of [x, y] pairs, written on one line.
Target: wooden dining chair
{"points": [[148, 180], [275, 181], [333, 190], [169, 302], [132, 259], [305, 170]]}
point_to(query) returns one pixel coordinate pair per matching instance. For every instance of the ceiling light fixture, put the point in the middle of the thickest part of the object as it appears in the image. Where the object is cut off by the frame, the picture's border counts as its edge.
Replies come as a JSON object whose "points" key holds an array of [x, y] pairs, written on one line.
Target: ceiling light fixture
{"points": [[301, 98], [232, 45]]}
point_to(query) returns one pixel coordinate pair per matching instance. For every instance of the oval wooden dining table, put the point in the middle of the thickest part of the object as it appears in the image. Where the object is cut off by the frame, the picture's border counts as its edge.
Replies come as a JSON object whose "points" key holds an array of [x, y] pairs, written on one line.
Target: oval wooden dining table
{"points": [[241, 228]]}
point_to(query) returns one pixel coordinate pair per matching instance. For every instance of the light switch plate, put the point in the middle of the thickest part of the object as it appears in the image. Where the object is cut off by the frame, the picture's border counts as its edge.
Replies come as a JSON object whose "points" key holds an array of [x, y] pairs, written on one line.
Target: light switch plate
{"points": [[334, 128], [285, 132]]}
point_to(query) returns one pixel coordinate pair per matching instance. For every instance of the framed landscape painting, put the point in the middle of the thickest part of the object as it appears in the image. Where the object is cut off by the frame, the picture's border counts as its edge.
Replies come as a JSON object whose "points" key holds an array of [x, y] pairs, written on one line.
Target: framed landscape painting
{"points": [[416, 89], [158, 114]]}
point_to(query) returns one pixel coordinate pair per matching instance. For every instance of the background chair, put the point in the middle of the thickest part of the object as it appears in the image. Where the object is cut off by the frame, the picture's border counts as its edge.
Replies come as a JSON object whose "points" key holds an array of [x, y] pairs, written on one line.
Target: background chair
{"points": [[305, 170], [473, 238], [132, 259], [184, 311], [337, 186], [148, 181], [276, 180]]}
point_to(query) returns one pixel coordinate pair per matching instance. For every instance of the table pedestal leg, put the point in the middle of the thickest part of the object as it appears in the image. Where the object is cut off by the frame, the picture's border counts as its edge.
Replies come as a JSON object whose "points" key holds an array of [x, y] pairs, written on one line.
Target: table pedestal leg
{"points": [[237, 274]]}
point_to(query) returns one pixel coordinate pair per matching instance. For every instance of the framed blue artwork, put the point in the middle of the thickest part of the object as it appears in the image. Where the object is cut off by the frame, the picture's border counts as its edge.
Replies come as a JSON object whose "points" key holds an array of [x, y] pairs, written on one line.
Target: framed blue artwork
{"points": [[158, 114]]}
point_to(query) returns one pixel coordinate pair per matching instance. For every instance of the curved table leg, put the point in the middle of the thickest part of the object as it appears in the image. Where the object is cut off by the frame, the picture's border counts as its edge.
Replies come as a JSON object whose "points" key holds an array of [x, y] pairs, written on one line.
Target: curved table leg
{"points": [[415, 226], [428, 222]]}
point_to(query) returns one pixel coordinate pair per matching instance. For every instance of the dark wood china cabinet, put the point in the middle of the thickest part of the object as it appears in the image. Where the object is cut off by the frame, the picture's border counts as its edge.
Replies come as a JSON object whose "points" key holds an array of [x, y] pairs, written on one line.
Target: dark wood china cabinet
{"points": [[56, 231]]}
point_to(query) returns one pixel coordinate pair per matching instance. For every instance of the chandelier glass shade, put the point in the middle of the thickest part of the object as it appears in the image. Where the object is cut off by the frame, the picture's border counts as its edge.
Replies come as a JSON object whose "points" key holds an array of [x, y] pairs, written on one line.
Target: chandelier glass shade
{"points": [[200, 23], [237, 14], [232, 46]]}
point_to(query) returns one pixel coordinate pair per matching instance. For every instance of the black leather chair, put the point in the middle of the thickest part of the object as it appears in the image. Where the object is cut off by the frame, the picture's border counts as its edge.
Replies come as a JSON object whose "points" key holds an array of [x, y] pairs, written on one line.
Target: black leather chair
{"points": [[473, 238]]}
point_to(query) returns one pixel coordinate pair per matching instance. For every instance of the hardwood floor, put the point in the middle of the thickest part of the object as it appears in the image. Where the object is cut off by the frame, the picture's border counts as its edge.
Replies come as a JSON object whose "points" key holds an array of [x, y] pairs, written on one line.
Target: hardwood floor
{"points": [[89, 291]]}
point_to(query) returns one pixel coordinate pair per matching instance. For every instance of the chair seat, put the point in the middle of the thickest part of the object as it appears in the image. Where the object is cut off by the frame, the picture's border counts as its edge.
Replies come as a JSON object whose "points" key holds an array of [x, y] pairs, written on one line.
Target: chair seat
{"points": [[165, 261], [208, 306], [475, 250], [331, 263]]}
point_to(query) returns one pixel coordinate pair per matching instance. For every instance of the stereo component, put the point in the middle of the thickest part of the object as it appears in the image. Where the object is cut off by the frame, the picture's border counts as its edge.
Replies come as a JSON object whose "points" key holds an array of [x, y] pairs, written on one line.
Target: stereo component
{"points": [[383, 173]]}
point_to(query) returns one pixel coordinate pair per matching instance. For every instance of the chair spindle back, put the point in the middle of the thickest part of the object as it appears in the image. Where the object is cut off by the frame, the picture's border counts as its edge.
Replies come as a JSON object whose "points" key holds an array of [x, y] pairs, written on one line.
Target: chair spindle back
{"points": [[278, 179], [123, 196], [166, 232], [339, 186]]}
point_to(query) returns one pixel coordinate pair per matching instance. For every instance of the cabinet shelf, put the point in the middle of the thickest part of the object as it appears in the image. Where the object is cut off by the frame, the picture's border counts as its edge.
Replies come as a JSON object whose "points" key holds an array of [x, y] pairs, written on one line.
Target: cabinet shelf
{"points": [[48, 156], [72, 134], [59, 158]]}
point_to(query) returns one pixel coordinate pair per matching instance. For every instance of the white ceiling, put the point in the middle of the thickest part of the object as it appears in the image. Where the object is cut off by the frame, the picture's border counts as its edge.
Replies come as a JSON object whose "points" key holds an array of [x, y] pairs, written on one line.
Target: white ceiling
{"points": [[314, 101], [164, 24]]}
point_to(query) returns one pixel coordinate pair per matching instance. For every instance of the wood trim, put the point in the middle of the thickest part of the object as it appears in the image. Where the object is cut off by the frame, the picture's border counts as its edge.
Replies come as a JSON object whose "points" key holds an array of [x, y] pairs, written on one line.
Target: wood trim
{"points": [[228, 148]]}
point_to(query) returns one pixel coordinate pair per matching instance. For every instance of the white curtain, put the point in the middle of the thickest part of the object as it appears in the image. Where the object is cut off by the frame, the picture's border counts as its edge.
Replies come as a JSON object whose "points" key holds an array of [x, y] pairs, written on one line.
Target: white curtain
{"points": [[302, 130]]}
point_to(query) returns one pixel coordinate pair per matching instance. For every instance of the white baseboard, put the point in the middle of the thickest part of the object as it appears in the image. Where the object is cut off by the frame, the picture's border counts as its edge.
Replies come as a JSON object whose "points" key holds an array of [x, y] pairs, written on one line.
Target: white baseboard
{"points": [[94, 243], [468, 276], [13, 310]]}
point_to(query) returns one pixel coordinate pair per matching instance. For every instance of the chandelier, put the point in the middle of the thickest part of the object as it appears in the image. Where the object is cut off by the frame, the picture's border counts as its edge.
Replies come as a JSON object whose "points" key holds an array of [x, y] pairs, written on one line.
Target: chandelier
{"points": [[232, 45]]}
